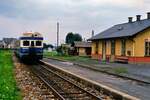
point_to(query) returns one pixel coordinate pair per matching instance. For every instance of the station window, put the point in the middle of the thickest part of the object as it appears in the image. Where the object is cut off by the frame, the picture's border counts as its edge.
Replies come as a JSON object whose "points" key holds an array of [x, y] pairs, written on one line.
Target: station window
{"points": [[38, 43], [147, 48], [123, 47], [96, 48], [113, 47], [25, 43]]}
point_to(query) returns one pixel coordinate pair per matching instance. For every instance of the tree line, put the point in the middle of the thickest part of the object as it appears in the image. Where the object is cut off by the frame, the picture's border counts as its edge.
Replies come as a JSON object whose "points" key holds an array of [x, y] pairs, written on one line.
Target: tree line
{"points": [[72, 37]]}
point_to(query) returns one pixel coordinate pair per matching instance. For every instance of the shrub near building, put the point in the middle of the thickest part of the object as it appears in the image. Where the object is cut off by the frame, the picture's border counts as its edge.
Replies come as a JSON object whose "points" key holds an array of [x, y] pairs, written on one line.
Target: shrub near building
{"points": [[8, 89]]}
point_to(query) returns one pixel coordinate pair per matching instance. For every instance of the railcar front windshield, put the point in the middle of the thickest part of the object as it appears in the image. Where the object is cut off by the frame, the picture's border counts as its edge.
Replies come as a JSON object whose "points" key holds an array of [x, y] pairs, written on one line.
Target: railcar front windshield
{"points": [[26, 43], [38, 43]]}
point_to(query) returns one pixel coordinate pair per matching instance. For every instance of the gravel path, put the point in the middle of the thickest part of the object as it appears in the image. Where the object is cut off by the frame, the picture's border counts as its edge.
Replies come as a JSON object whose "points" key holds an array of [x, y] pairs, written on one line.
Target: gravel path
{"points": [[31, 87]]}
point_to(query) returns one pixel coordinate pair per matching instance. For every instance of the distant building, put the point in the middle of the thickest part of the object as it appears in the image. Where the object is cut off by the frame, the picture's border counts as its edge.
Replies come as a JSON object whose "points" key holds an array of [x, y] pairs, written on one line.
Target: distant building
{"points": [[9, 42], [82, 48], [65, 48], [127, 42], [2, 44]]}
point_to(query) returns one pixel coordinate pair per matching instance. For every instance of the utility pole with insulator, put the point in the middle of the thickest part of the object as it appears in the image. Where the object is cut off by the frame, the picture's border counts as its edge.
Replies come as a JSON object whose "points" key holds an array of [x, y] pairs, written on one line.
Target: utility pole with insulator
{"points": [[92, 33], [57, 34]]}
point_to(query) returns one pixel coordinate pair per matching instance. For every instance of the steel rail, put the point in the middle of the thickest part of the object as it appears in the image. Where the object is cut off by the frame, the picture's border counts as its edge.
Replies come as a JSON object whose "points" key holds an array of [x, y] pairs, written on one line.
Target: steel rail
{"points": [[56, 94], [94, 96], [93, 87], [43, 72]]}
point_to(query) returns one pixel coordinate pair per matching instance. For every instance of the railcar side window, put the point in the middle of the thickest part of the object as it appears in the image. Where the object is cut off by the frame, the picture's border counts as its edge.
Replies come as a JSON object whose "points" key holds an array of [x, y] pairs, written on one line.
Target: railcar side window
{"points": [[38, 43], [25, 43]]}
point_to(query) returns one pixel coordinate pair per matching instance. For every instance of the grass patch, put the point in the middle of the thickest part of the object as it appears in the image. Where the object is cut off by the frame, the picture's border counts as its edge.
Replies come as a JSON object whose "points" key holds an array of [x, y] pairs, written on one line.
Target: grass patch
{"points": [[85, 60], [79, 59], [120, 70], [8, 88], [52, 53]]}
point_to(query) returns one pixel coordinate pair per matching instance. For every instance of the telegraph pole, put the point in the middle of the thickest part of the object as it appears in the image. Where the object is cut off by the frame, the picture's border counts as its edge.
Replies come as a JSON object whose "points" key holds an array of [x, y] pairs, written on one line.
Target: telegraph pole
{"points": [[92, 33], [57, 34]]}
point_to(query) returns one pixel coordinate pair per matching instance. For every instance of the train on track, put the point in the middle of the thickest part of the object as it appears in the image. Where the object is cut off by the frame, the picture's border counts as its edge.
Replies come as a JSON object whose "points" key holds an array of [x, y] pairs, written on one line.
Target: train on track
{"points": [[29, 47]]}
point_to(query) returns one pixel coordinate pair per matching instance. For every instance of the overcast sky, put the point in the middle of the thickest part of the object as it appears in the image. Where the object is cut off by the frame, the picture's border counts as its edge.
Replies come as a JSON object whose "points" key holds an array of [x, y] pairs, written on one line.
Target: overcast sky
{"points": [[80, 16]]}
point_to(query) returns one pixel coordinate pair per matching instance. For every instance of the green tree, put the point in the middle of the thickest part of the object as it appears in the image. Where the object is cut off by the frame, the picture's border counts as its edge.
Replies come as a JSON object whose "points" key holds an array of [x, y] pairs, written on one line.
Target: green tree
{"points": [[71, 37], [77, 37]]}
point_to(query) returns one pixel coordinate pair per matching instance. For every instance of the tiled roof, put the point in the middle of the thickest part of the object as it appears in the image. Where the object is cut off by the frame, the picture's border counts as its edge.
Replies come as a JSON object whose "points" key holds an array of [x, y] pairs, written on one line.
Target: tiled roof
{"points": [[123, 30]]}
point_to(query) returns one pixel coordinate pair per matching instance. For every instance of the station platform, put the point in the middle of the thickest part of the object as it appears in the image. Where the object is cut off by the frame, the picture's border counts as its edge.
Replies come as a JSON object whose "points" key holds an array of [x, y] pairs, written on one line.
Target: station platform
{"points": [[132, 88]]}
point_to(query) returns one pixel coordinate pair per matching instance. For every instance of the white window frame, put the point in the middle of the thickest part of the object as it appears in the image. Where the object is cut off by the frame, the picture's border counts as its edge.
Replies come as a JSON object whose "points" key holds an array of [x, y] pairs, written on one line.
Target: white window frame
{"points": [[41, 43], [21, 43]]}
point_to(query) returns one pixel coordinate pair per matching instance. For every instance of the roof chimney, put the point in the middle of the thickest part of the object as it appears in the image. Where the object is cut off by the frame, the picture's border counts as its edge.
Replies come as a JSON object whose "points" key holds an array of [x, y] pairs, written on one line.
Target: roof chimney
{"points": [[138, 17], [148, 15], [130, 19]]}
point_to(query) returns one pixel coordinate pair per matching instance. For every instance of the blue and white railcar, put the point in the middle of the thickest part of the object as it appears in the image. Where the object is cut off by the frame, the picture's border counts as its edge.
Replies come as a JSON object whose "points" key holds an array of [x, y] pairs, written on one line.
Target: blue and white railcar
{"points": [[30, 46]]}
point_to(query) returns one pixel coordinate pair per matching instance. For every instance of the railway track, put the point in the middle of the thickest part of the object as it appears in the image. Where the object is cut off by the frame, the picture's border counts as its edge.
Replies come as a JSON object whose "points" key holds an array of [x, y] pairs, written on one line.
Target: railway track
{"points": [[67, 86], [63, 87]]}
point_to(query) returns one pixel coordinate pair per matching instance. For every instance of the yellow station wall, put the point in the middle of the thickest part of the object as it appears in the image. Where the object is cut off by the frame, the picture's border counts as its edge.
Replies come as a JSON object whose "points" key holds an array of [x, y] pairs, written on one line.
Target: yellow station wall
{"points": [[136, 45], [139, 44]]}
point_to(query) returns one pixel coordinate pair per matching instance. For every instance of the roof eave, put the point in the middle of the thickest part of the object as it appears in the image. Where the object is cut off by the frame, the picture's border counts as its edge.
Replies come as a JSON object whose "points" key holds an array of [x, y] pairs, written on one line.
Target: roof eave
{"points": [[109, 38]]}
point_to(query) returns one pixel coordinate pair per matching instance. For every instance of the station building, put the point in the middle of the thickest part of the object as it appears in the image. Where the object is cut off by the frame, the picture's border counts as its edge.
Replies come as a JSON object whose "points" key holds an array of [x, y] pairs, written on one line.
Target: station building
{"points": [[128, 42], [82, 48]]}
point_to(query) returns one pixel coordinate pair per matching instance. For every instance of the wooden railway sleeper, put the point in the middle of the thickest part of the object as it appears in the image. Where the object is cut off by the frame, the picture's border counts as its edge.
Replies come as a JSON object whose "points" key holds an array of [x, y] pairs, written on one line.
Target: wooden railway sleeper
{"points": [[70, 82]]}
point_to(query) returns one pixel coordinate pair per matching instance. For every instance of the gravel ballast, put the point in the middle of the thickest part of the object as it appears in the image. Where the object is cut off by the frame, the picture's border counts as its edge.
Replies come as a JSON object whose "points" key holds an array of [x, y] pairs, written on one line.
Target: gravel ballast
{"points": [[31, 87]]}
